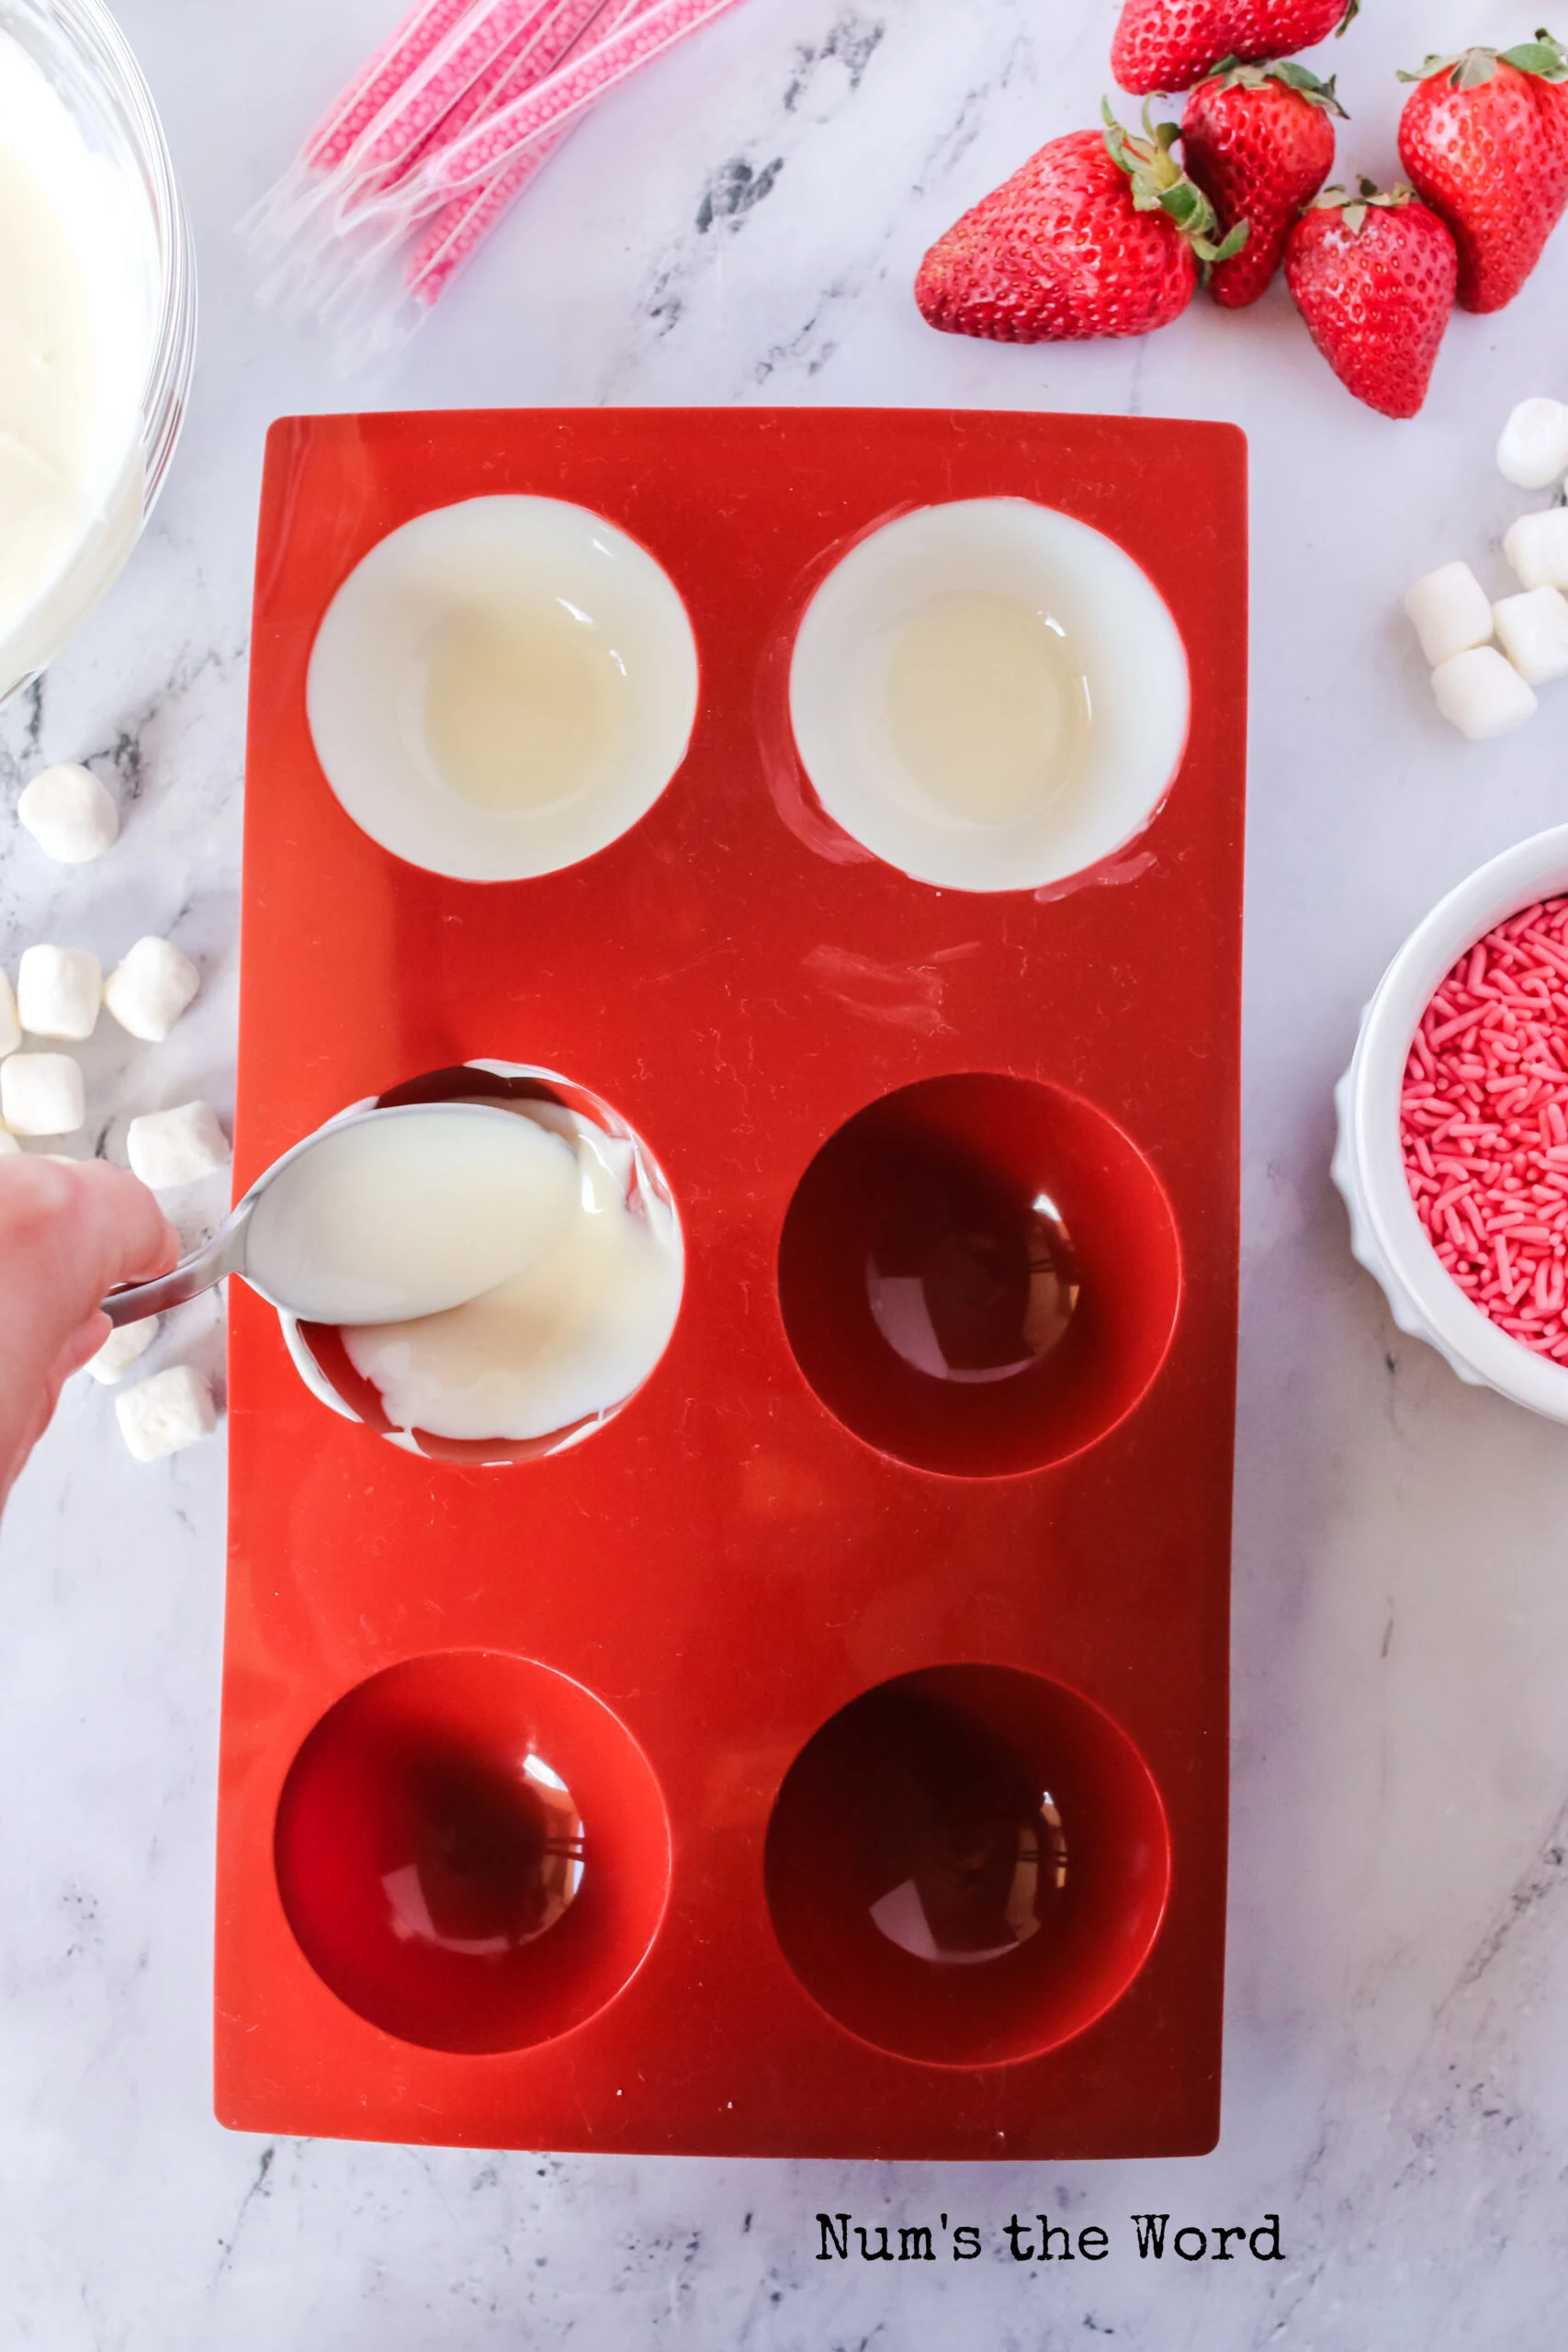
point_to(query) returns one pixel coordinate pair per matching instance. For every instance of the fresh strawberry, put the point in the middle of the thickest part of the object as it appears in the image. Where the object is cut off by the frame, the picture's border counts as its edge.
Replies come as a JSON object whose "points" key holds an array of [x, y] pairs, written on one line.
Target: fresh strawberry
{"points": [[1259, 142], [1171, 44], [1098, 234], [1484, 139], [1373, 276]]}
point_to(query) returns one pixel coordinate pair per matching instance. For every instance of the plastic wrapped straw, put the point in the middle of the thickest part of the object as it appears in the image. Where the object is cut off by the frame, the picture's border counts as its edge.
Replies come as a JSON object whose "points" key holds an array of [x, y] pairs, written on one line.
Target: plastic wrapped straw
{"points": [[433, 141]]}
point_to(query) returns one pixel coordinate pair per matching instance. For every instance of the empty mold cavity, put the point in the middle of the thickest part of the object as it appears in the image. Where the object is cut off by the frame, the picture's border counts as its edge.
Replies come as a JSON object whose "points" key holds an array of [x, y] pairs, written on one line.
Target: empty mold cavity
{"points": [[979, 1274], [989, 696], [968, 1865], [588, 1343], [503, 687], [472, 1852]]}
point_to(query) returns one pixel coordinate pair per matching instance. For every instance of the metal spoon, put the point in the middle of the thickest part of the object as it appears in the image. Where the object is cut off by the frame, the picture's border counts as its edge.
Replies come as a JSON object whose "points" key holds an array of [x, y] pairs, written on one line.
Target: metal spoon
{"points": [[464, 1159]]}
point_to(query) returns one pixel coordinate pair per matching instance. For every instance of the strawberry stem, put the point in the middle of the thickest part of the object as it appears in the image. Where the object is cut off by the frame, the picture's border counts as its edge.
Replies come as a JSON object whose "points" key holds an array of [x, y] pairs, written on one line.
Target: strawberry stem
{"points": [[1232, 75], [1368, 198], [1474, 68], [1159, 184]]}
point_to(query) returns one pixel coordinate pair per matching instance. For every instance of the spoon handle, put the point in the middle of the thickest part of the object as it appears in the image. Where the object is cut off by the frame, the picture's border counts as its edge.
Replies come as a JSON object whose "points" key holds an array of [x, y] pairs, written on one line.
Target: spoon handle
{"points": [[216, 1258]]}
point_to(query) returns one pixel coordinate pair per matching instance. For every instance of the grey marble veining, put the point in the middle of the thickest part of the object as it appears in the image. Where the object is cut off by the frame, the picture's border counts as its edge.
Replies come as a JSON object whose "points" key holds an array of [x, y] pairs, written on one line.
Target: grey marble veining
{"points": [[743, 225]]}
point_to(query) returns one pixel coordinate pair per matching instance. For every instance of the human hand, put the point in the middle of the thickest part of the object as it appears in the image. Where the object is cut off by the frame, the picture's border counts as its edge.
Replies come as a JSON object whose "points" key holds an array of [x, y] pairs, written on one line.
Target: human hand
{"points": [[69, 1231]]}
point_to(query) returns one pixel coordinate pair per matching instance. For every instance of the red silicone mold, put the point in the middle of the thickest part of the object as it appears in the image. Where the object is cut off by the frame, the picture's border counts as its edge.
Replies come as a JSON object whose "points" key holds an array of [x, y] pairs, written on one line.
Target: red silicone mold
{"points": [[819, 1757]]}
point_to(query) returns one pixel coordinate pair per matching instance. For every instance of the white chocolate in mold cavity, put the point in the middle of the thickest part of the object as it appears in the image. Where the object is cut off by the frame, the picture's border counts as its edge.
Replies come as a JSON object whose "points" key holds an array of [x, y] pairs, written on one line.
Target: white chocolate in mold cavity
{"points": [[989, 696], [503, 687], [567, 1340], [398, 1218], [623, 1250]]}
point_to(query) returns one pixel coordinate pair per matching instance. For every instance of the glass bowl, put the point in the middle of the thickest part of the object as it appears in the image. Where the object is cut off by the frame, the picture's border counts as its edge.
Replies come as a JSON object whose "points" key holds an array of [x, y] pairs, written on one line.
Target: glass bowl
{"points": [[84, 57]]}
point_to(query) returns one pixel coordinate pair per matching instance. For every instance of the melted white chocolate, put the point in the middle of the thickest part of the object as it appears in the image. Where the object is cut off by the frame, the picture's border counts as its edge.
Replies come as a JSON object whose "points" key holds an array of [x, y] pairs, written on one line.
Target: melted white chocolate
{"points": [[407, 1214], [563, 1342], [986, 709], [73, 341]]}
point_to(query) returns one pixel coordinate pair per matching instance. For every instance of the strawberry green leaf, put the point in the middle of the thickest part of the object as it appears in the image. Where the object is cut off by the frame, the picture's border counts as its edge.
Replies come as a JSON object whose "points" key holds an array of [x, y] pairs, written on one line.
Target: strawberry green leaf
{"points": [[1544, 57], [1231, 75], [1474, 70], [1228, 247], [1157, 181], [1468, 71], [1369, 198]]}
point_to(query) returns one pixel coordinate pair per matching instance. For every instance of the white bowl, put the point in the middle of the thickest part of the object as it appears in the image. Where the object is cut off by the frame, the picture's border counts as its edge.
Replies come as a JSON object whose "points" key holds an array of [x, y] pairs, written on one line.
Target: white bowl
{"points": [[498, 573], [1121, 662], [1386, 1235]]}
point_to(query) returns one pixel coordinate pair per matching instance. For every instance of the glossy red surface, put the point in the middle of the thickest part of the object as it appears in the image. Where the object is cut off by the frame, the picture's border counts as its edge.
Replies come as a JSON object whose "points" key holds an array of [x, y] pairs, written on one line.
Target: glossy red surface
{"points": [[1029, 1830], [445, 1886], [729, 1565], [944, 1185]]}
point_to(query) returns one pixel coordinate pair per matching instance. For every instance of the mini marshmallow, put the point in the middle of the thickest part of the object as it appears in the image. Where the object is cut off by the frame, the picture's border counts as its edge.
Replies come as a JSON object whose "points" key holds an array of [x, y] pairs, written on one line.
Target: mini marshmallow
{"points": [[166, 1413], [1452, 612], [1481, 694], [59, 990], [1533, 451], [1537, 547], [150, 988], [121, 1349], [70, 814], [7, 1142], [1533, 632], [10, 1022], [169, 1148], [41, 1094]]}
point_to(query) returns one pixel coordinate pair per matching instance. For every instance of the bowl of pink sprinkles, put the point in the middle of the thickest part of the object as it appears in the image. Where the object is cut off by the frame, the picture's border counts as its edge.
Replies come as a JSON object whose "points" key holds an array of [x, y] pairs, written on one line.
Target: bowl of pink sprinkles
{"points": [[1453, 1128]]}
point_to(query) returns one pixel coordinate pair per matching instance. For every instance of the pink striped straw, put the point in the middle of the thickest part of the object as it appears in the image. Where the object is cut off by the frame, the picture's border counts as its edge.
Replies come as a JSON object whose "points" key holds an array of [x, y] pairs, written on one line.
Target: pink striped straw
{"points": [[531, 53], [488, 88], [564, 94], [434, 141], [448, 73], [461, 226], [380, 79]]}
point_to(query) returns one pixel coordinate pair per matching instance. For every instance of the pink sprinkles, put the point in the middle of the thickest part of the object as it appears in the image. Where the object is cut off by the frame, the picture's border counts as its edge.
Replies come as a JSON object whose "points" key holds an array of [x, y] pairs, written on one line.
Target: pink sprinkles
{"points": [[1484, 1120]]}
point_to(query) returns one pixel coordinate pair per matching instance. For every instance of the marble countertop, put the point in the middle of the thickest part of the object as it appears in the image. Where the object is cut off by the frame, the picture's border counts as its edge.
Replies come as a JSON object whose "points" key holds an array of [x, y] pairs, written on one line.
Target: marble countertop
{"points": [[743, 226]]}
